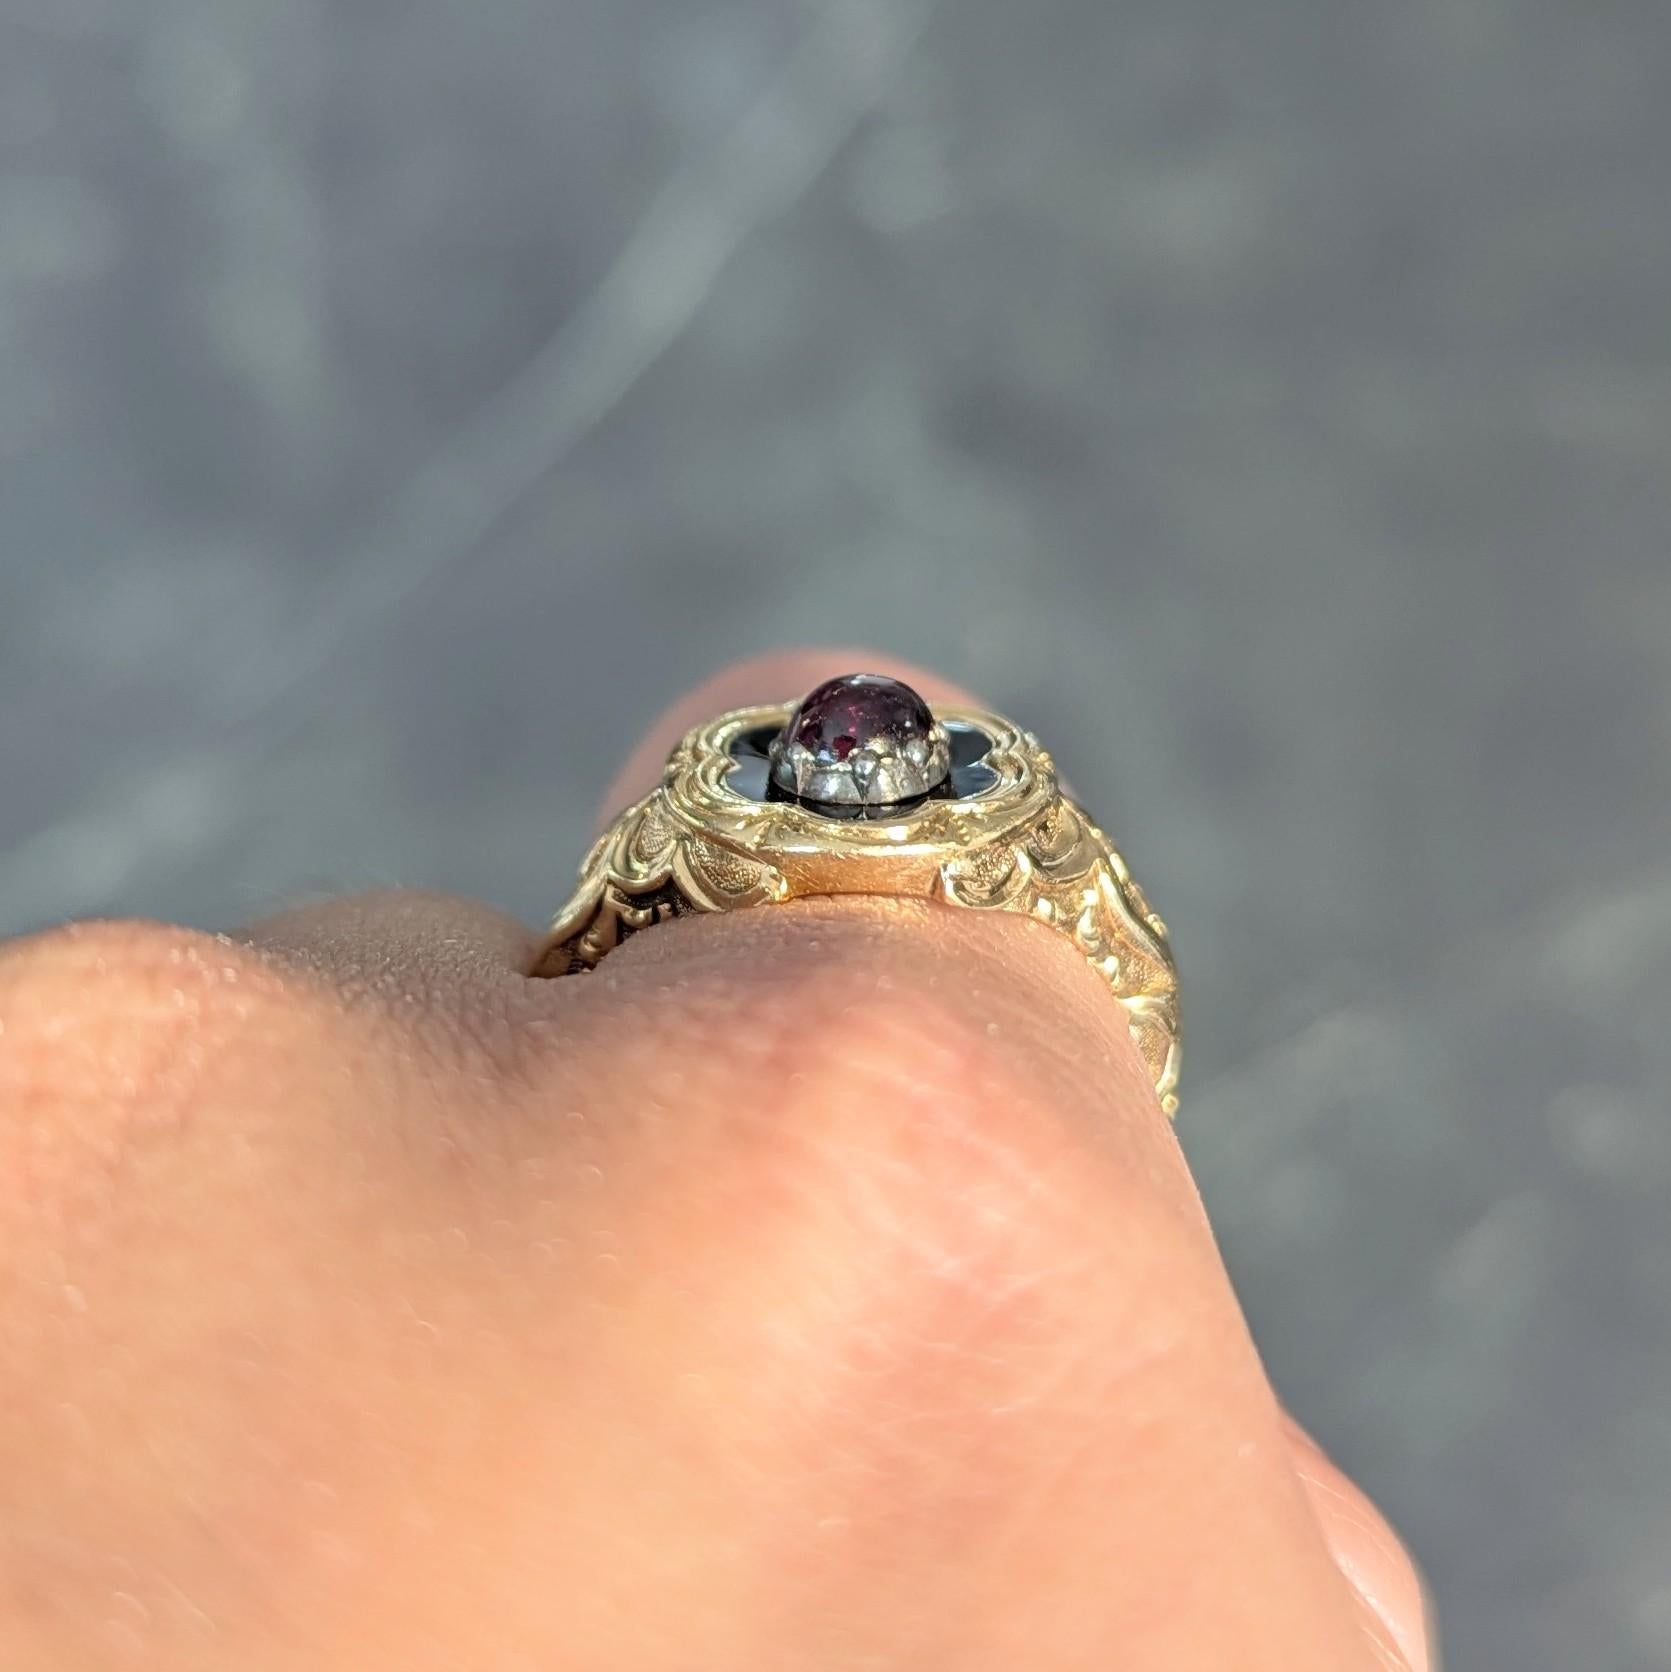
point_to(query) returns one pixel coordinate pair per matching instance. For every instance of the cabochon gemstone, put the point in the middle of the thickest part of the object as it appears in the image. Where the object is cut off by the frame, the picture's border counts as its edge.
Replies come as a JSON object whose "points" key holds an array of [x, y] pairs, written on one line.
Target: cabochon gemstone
{"points": [[857, 710], [861, 738]]}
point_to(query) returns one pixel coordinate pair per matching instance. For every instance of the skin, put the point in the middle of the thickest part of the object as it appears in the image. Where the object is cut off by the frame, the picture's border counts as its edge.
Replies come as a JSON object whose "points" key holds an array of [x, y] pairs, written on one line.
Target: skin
{"points": [[812, 1288]]}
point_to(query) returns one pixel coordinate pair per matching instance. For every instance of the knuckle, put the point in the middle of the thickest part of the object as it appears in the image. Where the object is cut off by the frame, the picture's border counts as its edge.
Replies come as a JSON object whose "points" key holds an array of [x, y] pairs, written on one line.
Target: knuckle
{"points": [[925, 1142], [108, 1029], [939, 1250], [927, 1093], [864, 1099]]}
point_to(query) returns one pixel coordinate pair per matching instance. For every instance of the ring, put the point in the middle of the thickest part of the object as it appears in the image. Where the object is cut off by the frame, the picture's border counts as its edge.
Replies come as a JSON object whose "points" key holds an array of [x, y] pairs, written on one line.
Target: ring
{"points": [[861, 789]]}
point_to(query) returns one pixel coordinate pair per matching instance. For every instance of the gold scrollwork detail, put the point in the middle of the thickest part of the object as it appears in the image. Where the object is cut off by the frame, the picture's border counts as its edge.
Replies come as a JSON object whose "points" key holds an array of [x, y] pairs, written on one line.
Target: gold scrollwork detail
{"points": [[1063, 871]]}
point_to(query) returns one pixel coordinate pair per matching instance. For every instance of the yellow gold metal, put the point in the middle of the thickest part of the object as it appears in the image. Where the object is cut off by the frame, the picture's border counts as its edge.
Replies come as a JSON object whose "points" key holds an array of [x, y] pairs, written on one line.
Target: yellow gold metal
{"points": [[695, 845]]}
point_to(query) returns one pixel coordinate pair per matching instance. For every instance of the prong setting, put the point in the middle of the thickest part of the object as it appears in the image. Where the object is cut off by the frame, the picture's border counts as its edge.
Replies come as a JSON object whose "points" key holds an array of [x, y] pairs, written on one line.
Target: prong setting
{"points": [[862, 740]]}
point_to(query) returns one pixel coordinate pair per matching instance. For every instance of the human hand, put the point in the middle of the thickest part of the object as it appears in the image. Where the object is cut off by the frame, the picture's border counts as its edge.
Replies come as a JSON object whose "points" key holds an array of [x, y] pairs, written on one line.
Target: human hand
{"points": [[809, 1289]]}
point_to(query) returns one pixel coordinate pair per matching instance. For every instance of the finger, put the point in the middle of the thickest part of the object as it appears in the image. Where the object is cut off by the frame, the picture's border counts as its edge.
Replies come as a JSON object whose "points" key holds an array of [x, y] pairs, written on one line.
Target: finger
{"points": [[1367, 1550], [400, 944]]}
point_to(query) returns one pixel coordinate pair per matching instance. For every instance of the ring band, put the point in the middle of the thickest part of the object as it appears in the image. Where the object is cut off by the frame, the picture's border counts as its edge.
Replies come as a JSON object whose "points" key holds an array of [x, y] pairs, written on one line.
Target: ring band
{"points": [[859, 790]]}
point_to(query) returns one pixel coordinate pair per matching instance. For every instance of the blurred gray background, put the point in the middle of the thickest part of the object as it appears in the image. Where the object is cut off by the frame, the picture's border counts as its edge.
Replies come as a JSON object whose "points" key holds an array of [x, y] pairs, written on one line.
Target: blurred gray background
{"points": [[1268, 400]]}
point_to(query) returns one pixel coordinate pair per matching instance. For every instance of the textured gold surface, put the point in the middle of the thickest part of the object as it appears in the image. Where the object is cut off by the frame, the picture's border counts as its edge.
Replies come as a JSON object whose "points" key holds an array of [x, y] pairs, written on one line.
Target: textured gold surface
{"points": [[695, 845]]}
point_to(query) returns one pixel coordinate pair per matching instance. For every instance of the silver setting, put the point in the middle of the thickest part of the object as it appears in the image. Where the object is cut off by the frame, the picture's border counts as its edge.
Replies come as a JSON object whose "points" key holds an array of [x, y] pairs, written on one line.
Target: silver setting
{"points": [[876, 776]]}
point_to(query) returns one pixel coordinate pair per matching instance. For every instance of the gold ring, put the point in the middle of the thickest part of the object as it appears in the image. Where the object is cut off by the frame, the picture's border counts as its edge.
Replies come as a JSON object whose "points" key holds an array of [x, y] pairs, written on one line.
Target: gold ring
{"points": [[861, 789]]}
